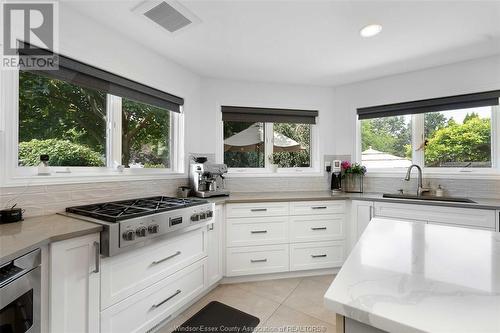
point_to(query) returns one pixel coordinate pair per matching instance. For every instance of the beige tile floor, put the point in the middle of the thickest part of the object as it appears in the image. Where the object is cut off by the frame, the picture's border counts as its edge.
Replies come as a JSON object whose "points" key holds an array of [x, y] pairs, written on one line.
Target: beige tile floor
{"points": [[279, 303]]}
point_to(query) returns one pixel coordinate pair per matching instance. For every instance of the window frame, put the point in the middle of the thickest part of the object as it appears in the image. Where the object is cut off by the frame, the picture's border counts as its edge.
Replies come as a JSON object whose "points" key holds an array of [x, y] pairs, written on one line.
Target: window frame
{"points": [[11, 174], [266, 171], [418, 130]]}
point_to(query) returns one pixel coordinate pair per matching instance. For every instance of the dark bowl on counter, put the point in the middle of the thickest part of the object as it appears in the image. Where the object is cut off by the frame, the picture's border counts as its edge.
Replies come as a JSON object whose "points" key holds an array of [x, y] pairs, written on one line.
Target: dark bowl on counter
{"points": [[11, 215]]}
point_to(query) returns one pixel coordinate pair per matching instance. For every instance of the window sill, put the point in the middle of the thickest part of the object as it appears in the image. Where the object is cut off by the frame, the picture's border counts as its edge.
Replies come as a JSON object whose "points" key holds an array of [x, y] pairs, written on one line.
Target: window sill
{"points": [[80, 178], [279, 173], [445, 174]]}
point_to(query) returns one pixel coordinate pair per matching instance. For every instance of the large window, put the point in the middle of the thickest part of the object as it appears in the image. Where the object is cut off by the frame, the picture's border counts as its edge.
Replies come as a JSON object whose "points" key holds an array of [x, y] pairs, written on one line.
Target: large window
{"points": [[455, 138], [60, 119], [68, 123]]}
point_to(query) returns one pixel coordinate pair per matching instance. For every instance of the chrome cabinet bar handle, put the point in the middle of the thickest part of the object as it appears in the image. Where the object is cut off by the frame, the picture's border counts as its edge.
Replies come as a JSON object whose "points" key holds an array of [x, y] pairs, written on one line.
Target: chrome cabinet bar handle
{"points": [[167, 258], [97, 248], [318, 255], [258, 260], [258, 231], [318, 207], [318, 228], [154, 306], [258, 210]]}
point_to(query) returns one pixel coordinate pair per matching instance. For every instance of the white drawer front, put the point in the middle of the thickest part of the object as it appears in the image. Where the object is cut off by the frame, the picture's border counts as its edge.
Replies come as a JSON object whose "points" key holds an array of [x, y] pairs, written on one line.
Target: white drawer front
{"points": [[469, 217], [257, 231], [156, 303], [257, 209], [257, 260], [317, 207], [316, 255], [317, 228], [127, 273]]}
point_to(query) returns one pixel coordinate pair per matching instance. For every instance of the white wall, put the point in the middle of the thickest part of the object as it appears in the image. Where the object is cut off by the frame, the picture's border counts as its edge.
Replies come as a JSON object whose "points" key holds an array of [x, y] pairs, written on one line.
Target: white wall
{"points": [[460, 78], [83, 39], [217, 92]]}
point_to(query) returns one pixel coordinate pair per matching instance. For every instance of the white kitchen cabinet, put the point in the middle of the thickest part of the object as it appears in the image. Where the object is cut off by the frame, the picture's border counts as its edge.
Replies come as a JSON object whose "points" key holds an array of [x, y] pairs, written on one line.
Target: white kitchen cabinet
{"points": [[257, 209], [316, 255], [263, 238], [215, 250], [257, 231], [74, 285], [150, 308], [317, 207], [314, 228], [125, 274], [361, 215], [257, 260], [459, 217]]}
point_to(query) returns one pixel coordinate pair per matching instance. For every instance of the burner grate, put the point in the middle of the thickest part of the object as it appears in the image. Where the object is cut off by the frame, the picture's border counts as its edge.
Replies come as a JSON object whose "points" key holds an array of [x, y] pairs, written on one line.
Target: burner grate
{"points": [[127, 209]]}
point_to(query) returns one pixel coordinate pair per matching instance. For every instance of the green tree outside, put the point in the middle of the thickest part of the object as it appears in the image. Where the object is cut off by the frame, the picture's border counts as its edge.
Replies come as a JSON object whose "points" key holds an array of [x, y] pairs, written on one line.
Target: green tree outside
{"points": [[449, 144], [63, 113]]}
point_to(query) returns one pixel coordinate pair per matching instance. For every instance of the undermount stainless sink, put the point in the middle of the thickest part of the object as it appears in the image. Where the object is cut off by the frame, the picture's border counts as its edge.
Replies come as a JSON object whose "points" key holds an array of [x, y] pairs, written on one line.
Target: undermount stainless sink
{"points": [[427, 197]]}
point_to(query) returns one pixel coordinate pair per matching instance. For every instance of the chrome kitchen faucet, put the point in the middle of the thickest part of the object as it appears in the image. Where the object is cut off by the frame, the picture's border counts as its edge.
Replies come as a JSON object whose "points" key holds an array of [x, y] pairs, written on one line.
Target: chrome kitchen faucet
{"points": [[420, 188]]}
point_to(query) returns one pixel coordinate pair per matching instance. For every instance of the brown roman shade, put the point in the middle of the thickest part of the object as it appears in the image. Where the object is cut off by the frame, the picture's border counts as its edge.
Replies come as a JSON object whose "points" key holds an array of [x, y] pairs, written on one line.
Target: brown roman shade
{"points": [[268, 115], [487, 98], [87, 76]]}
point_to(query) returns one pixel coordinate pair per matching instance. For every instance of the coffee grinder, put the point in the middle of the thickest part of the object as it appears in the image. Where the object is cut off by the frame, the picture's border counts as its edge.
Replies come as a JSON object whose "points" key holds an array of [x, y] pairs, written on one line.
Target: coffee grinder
{"points": [[336, 184]]}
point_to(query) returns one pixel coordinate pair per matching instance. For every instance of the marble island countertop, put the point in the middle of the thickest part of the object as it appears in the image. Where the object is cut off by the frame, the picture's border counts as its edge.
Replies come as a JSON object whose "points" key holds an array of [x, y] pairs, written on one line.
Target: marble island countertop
{"points": [[21, 237], [414, 277], [245, 197]]}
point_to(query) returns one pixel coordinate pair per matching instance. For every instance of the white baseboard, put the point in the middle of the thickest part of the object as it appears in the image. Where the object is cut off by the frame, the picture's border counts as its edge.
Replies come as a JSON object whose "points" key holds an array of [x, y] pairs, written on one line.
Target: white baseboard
{"points": [[275, 276]]}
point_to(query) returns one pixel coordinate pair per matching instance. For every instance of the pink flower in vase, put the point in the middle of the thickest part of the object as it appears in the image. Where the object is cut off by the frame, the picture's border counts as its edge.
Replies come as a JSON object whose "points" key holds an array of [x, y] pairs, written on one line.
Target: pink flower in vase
{"points": [[345, 165]]}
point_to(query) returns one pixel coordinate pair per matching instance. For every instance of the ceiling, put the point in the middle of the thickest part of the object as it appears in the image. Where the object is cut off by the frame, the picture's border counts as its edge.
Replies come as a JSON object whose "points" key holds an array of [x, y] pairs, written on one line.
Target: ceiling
{"points": [[312, 42]]}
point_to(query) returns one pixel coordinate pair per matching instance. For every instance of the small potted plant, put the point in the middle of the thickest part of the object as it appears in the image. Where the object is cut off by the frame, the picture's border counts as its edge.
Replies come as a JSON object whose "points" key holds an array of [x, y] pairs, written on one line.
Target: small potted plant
{"points": [[274, 160], [352, 175]]}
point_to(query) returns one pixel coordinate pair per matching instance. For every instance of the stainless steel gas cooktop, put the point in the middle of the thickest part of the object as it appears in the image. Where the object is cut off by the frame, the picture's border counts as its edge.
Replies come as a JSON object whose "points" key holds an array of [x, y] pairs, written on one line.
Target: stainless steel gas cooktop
{"points": [[135, 221]]}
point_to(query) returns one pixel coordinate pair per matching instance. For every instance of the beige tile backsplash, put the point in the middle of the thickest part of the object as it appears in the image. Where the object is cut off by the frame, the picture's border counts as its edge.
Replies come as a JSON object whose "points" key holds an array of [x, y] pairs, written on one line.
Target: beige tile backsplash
{"points": [[50, 199]]}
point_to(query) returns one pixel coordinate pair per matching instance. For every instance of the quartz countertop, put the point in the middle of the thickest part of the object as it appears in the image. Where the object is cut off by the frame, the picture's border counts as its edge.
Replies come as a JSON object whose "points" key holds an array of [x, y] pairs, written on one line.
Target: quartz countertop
{"points": [[21, 237], [415, 277], [242, 197]]}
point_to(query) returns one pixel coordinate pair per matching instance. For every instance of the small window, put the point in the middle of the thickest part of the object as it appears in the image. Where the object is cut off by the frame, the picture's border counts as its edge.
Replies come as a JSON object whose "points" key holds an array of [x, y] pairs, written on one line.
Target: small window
{"points": [[386, 142], [60, 119], [458, 138], [289, 145], [267, 139], [145, 135], [244, 144]]}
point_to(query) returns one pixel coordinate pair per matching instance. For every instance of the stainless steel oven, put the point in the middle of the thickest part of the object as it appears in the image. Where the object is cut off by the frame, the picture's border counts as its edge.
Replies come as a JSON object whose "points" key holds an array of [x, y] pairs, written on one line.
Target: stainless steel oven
{"points": [[20, 294]]}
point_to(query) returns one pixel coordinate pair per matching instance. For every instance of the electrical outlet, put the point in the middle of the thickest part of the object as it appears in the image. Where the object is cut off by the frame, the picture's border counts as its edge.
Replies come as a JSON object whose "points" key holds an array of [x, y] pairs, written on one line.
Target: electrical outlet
{"points": [[328, 166]]}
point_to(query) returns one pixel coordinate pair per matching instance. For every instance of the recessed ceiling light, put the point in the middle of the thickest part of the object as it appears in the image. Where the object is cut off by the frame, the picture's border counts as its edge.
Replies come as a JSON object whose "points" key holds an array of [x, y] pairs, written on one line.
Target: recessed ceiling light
{"points": [[370, 30]]}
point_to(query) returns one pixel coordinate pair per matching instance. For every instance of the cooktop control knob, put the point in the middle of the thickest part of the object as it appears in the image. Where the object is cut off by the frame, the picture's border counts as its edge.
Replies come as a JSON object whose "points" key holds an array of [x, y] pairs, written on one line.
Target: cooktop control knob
{"points": [[154, 228], [210, 214], [203, 216], [195, 217], [141, 231], [129, 235]]}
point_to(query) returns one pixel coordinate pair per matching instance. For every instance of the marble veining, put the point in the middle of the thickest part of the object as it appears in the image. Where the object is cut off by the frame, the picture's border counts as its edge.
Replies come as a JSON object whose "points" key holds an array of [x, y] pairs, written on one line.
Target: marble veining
{"points": [[413, 277]]}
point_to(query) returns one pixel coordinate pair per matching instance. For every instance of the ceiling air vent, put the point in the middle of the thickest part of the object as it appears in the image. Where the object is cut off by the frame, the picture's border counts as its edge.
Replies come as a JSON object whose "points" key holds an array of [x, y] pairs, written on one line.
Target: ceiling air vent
{"points": [[170, 15]]}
